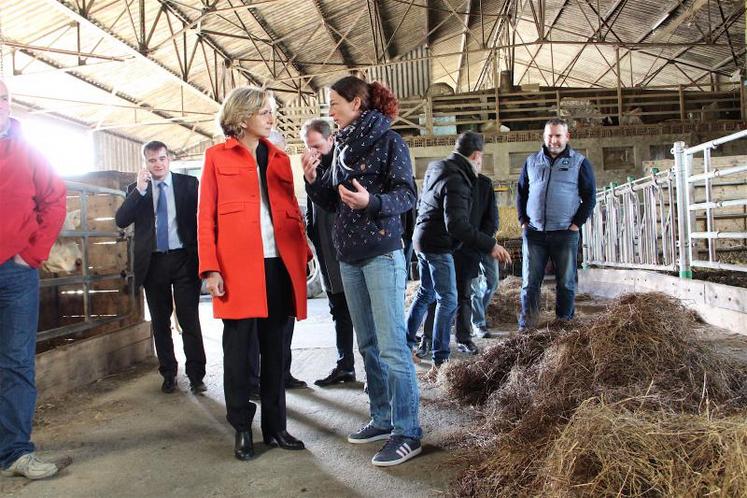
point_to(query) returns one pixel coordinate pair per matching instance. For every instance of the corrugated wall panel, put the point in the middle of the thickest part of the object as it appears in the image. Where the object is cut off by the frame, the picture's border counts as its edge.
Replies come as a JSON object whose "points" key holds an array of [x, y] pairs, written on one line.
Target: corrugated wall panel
{"points": [[116, 153], [411, 77]]}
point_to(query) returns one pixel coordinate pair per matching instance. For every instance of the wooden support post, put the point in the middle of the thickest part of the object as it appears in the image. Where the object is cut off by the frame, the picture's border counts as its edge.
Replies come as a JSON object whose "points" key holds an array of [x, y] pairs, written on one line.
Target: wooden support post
{"points": [[496, 84], [683, 115], [429, 114], [619, 88]]}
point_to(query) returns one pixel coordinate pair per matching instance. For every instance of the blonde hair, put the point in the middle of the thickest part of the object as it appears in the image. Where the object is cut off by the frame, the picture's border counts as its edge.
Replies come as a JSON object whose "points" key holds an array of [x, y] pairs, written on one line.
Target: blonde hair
{"points": [[240, 104]]}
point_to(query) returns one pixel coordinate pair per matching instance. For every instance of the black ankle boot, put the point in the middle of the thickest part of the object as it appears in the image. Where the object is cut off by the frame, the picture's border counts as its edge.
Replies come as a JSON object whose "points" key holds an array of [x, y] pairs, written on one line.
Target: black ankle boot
{"points": [[243, 448], [283, 440]]}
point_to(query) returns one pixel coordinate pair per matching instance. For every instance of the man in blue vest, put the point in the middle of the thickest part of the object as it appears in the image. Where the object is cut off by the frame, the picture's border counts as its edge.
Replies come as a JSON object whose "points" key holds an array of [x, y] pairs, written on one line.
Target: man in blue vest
{"points": [[555, 195]]}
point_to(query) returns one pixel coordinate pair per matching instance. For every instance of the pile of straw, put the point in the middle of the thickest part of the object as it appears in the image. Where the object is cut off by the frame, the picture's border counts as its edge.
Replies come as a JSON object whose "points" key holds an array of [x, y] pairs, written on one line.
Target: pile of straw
{"points": [[611, 450], [509, 227], [505, 305], [643, 357]]}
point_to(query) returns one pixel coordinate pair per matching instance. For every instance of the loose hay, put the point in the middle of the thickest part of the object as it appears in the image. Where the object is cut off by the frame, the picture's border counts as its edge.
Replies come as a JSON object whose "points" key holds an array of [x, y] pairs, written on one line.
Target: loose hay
{"points": [[608, 450], [505, 305], [642, 354], [509, 226]]}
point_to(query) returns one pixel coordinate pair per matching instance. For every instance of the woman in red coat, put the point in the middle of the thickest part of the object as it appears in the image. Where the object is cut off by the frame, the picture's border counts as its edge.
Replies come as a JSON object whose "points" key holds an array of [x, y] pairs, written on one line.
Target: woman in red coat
{"points": [[253, 255]]}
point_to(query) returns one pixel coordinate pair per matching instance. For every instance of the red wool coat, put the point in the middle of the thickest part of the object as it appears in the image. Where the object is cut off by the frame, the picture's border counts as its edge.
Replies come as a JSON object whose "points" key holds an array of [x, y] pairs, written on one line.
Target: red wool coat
{"points": [[229, 236]]}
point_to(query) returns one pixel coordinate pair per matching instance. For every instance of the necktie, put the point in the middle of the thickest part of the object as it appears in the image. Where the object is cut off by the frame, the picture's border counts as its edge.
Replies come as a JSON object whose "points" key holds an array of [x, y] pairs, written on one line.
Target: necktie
{"points": [[162, 220]]}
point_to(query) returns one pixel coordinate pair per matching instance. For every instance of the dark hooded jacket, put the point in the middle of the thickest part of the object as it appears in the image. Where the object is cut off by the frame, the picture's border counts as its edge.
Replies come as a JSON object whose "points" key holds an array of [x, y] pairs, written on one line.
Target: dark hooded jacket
{"points": [[445, 208], [484, 215], [369, 151]]}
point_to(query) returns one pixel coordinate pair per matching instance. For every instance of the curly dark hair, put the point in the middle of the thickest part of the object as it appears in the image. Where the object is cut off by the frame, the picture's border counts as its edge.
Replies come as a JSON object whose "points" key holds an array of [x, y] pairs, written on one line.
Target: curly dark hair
{"points": [[374, 95]]}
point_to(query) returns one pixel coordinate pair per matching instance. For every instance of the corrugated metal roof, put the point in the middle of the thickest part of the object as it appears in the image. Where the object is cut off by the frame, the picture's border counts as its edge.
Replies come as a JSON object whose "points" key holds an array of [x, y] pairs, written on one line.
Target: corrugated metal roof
{"points": [[146, 92]]}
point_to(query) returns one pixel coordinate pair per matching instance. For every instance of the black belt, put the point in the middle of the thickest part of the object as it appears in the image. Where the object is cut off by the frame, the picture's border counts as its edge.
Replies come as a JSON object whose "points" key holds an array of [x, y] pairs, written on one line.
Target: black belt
{"points": [[169, 251]]}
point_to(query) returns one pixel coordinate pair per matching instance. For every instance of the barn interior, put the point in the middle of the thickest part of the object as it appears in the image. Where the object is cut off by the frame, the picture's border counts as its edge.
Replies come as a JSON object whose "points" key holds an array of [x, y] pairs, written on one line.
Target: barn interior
{"points": [[654, 93]]}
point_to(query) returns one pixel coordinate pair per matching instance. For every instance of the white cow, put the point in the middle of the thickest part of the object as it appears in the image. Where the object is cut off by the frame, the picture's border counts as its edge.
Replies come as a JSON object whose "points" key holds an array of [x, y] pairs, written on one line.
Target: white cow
{"points": [[65, 255]]}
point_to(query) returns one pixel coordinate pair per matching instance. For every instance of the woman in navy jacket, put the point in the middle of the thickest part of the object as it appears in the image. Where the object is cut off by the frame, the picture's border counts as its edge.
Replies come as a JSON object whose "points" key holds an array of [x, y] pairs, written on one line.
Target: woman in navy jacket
{"points": [[369, 186]]}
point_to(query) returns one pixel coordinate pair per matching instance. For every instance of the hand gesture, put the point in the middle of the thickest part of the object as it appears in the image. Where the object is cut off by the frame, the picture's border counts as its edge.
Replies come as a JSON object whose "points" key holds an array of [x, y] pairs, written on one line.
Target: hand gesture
{"points": [[143, 177], [310, 160], [214, 284], [357, 199], [500, 254]]}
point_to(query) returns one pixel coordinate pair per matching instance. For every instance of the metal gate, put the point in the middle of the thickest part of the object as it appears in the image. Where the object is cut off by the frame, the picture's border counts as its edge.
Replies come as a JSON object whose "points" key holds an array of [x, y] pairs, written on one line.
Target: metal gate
{"points": [[666, 220]]}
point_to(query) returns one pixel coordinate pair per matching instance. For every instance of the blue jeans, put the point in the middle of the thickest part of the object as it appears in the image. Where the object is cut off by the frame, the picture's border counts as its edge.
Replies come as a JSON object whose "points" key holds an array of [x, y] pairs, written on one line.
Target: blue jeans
{"points": [[560, 246], [437, 283], [19, 315], [483, 288], [375, 290]]}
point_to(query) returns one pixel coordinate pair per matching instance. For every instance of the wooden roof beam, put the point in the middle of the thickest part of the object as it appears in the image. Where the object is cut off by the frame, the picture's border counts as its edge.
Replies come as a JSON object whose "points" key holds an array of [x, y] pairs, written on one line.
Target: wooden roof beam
{"points": [[286, 57], [463, 47], [333, 35], [70, 10], [112, 91]]}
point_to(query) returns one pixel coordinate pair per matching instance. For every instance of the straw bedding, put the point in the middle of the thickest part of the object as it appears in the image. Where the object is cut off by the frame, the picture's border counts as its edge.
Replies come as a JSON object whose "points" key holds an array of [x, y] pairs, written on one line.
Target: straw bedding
{"points": [[567, 409]]}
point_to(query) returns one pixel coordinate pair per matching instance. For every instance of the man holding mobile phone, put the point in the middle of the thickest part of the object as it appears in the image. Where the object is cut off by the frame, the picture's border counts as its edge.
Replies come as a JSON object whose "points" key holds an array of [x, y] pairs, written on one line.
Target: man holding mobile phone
{"points": [[163, 207]]}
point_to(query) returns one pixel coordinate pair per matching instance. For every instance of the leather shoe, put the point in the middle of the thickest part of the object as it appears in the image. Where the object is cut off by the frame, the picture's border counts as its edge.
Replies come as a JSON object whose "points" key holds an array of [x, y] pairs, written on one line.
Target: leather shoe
{"points": [[169, 385], [284, 440], [243, 448], [336, 376], [198, 387], [294, 383]]}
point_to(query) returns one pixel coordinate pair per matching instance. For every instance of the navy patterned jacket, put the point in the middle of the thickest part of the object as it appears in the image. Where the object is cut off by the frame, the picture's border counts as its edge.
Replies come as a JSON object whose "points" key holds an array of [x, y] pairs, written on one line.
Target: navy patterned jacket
{"points": [[369, 151]]}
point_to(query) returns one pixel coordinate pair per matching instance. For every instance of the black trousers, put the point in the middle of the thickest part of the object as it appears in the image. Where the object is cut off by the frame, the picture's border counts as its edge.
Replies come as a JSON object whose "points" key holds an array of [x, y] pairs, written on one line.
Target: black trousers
{"points": [[254, 363], [270, 334], [338, 308], [463, 314], [176, 270]]}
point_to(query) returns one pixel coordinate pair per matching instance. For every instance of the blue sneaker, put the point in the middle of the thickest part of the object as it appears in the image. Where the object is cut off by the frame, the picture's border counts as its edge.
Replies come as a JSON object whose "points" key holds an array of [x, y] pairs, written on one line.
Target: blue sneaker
{"points": [[368, 433], [397, 450]]}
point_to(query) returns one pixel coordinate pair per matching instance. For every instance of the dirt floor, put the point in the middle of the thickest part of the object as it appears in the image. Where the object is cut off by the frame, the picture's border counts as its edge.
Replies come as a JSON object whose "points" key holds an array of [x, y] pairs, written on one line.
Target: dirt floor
{"points": [[121, 437]]}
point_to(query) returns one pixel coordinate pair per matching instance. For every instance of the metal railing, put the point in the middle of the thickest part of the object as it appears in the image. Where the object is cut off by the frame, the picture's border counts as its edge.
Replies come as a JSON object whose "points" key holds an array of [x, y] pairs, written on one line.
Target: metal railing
{"points": [[87, 277], [711, 235], [652, 222]]}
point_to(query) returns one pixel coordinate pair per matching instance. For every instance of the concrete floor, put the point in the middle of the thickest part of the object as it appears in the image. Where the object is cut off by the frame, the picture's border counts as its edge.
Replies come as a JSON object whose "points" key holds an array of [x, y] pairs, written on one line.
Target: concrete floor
{"points": [[122, 437]]}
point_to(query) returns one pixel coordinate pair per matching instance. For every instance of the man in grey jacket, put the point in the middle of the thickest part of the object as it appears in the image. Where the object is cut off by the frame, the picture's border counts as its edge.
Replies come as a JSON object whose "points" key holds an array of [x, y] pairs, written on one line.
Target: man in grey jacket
{"points": [[555, 195]]}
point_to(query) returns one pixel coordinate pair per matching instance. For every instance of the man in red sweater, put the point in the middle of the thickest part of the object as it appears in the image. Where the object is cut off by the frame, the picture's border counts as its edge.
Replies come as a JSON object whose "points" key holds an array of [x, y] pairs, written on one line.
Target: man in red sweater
{"points": [[32, 203]]}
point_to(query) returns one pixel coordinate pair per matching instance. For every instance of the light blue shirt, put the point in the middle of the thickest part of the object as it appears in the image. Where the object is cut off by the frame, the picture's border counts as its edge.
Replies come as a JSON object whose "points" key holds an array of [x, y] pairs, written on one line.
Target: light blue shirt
{"points": [[174, 240]]}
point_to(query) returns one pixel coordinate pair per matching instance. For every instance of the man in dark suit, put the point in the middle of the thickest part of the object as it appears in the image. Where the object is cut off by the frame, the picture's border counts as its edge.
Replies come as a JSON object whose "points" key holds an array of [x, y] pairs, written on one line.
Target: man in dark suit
{"points": [[163, 206]]}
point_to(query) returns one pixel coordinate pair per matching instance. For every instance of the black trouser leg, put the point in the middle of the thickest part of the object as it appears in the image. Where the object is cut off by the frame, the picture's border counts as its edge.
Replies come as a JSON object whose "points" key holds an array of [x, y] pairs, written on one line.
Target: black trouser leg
{"points": [[464, 308], [157, 286], [237, 336], [273, 333], [338, 308], [430, 316], [254, 362], [186, 284], [287, 354]]}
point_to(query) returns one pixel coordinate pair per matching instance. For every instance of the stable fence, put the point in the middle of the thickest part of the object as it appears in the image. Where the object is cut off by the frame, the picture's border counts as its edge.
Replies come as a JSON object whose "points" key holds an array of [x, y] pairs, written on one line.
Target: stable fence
{"points": [[693, 215], [91, 285]]}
